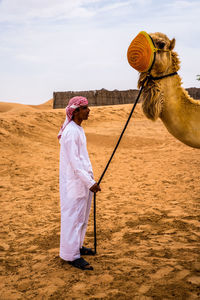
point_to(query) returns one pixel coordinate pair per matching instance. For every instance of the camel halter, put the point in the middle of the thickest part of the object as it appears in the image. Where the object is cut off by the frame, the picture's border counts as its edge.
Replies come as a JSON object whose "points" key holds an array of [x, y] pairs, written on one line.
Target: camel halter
{"points": [[142, 52], [141, 56]]}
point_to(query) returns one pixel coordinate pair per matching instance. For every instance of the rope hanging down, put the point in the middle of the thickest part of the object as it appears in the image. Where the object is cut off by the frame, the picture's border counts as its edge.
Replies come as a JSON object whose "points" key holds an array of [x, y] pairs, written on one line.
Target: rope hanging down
{"points": [[102, 175]]}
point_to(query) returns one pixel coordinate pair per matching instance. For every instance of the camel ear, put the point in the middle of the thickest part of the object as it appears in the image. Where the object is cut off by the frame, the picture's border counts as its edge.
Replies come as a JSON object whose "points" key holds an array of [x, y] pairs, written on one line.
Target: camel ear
{"points": [[172, 44]]}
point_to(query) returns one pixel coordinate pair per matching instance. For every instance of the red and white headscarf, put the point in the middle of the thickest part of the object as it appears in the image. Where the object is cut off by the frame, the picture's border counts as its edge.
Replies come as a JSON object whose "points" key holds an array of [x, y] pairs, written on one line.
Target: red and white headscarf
{"points": [[73, 104]]}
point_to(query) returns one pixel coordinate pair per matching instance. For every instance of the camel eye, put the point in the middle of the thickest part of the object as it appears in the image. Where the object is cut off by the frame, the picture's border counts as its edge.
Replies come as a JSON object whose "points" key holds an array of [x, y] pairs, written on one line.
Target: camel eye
{"points": [[161, 45]]}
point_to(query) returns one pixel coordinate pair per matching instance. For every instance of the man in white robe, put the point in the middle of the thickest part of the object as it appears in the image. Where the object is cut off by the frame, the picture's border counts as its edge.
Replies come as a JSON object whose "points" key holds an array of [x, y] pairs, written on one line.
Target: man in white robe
{"points": [[76, 184]]}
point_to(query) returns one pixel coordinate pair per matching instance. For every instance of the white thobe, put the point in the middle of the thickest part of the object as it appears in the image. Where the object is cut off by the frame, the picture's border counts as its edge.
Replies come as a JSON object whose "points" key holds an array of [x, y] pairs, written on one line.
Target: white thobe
{"points": [[76, 178]]}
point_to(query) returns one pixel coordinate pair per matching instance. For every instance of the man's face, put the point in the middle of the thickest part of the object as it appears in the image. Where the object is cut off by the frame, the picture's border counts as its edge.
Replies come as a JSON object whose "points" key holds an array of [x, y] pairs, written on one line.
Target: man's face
{"points": [[83, 112]]}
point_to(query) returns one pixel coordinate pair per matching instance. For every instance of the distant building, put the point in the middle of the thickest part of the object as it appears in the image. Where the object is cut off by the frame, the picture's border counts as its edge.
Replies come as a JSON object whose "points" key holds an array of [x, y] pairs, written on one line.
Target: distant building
{"points": [[96, 97], [105, 97]]}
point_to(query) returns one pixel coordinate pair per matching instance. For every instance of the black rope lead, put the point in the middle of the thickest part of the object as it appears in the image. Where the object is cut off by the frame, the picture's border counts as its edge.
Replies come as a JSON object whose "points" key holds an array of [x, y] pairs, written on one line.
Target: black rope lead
{"points": [[102, 175]]}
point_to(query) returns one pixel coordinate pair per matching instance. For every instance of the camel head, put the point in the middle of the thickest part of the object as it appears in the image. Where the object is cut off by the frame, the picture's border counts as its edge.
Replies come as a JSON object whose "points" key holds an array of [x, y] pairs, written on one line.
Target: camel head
{"points": [[166, 62]]}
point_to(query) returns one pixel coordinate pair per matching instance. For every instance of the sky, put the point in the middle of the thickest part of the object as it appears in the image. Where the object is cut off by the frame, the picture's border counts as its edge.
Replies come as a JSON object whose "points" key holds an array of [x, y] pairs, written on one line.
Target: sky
{"points": [[48, 46]]}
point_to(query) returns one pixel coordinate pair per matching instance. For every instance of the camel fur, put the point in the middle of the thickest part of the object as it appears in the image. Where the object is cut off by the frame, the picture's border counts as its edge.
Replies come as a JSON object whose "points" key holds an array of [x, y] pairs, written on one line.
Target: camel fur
{"points": [[167, 99]]}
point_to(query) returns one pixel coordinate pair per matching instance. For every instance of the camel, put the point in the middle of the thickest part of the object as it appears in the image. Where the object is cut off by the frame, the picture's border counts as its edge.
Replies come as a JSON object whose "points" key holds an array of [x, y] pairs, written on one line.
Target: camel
{"points": [[166, 99]]}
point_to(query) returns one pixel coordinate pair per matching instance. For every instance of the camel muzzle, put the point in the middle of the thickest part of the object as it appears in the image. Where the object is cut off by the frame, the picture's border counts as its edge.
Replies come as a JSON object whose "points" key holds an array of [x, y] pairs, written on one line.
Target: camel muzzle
{"points": [[142, 52]]}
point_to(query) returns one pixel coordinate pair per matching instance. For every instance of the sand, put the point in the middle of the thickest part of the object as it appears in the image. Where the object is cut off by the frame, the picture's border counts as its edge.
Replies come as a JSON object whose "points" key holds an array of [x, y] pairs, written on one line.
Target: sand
{"points": [[147, 213]]}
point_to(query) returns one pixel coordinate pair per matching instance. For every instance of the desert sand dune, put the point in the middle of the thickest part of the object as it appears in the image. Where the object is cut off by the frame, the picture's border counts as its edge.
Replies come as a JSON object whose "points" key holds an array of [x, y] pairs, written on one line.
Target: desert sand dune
{"points": [[46, 105], [147, 213], [13, 107], [17, 107]]}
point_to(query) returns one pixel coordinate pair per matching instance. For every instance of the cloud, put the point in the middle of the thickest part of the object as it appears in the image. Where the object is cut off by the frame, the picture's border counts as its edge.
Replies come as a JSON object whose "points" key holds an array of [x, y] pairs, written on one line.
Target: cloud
{"points": [[33, 10], [50, 45]]}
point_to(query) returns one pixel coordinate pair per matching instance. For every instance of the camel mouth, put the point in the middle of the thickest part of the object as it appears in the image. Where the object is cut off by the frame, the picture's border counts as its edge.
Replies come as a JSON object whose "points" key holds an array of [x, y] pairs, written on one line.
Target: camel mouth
{"points": [[141, 52]]}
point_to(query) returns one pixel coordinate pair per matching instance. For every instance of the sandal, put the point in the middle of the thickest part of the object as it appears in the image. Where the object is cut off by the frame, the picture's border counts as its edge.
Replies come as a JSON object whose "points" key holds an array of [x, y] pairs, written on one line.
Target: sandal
{"points": [[80, 263], [86, 251]]}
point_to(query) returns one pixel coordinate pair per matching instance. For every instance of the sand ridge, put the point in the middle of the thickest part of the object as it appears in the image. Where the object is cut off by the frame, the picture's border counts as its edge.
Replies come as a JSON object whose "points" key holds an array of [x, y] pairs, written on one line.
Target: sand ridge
{"points": [[147, 213]]}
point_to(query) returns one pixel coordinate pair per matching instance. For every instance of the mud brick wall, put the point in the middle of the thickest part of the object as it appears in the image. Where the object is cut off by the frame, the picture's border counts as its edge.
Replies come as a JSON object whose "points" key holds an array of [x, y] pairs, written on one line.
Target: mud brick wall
{"points": [[194, 92], [96, 97], [105, 97]]}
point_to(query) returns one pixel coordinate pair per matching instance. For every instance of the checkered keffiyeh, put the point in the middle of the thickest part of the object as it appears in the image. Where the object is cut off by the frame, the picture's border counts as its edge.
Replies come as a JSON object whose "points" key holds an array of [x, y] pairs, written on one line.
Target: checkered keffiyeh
{"points": [[73, 104]]}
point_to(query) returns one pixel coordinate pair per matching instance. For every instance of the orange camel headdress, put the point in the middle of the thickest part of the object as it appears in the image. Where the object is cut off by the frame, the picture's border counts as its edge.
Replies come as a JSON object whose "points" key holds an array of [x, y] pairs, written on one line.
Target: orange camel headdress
{"points": [[141, 52]]}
